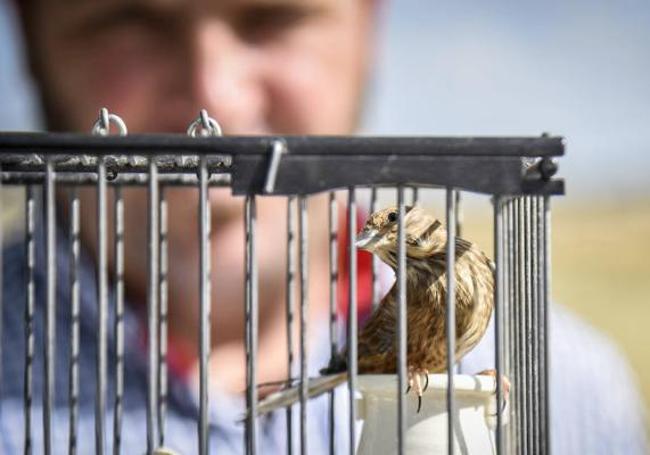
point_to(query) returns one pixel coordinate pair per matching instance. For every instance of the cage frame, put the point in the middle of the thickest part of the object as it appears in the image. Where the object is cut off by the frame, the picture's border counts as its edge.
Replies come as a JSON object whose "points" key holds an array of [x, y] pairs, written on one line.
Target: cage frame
{"points": [[518, 172]]}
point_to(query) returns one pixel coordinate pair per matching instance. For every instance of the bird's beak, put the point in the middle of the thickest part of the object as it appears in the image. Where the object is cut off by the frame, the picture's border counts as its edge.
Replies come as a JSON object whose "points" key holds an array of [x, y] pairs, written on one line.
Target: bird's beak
{"points": [[366, 238]]}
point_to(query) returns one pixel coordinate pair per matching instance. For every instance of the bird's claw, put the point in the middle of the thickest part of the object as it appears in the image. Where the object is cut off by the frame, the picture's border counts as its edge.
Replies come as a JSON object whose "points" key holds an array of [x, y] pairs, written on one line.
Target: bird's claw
{"points": [[415, 383], [504, 405], [505, 388]]}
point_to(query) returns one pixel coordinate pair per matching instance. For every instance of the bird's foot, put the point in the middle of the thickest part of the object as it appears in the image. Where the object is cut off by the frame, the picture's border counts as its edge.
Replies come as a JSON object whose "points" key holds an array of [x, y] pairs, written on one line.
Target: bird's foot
{"points": [[415, 382], [505, 386]]}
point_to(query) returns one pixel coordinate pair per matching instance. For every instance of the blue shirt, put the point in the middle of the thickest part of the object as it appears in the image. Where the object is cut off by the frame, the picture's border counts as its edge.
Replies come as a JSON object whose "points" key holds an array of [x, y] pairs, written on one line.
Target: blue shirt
{"points": [[595, 405]]}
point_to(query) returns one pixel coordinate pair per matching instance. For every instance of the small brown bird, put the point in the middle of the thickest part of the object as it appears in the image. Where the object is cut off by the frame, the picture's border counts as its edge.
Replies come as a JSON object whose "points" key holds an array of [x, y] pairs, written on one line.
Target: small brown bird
{"points": [[426, 289]]}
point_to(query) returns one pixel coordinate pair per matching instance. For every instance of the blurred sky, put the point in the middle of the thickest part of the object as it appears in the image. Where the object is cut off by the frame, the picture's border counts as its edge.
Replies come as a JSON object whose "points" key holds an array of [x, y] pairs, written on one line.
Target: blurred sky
{"points": [[575, 68]]}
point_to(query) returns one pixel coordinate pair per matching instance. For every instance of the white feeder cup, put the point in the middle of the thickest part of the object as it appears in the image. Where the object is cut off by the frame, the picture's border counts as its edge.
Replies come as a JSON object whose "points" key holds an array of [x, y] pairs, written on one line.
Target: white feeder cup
{"points": [[426, 431]]}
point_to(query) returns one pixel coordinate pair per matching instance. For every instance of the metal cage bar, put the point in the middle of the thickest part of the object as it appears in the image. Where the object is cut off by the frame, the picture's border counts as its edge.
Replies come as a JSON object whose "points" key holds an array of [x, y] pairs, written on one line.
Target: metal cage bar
{"points": [[29, 316], [506, 312], [499, 320], [118, 211], [333, 233], [1, 294], [526, 429], [204, 306], [534, 321], [73, 374], [459, 214], [303, 245], [290, 306], [90, 179], [50, 313], [376, 283], [251, 293], [511, 361], [546, 289], [521, 334], [102, 314], [352, 316], [451, 314], [415, 200], [401, 331], [152, 306], [162, 316]]}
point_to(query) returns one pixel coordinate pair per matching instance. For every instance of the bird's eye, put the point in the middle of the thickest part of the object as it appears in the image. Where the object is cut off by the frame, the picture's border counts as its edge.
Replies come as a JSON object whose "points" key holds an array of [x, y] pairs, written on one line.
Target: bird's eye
{"points": [[392, 217]]}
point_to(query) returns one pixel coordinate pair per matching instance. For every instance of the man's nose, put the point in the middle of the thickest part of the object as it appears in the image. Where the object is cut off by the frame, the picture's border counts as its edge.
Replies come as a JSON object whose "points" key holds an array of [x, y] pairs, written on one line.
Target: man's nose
{"points": [[226, 78]]}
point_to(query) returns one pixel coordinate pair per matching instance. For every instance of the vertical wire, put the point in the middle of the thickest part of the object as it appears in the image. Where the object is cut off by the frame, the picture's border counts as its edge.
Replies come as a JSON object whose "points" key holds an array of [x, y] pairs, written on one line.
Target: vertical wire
{"points": [[102, 314], [538, 325], [546, 287], [528, 329], [459, 214], [519, 253], [50, 314], [118, 208], [254, 320], [204, 310], [376, 283], [451, 315], [352, 316], [524, 326], [1, 292], [250, 417], [521, 323], [290, 304], [416, 196], [162, 318], [507, 312], [74, 323], [512, 333], [152, 307], [515, 327], [401, 331], [251, 323], [333, 320], [304, 304], [29, 316], [535, 363], [498, 314]]}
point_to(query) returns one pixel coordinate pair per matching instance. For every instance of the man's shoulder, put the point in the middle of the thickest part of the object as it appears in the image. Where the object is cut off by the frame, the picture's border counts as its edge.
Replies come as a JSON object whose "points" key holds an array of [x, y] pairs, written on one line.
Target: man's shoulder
{"points": [[13, 317], [595, 402]]}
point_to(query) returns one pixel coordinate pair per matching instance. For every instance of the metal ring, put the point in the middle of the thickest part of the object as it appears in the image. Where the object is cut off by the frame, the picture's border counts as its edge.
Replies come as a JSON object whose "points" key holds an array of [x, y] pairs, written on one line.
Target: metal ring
{"points": [[102, 126], [204, 125]]}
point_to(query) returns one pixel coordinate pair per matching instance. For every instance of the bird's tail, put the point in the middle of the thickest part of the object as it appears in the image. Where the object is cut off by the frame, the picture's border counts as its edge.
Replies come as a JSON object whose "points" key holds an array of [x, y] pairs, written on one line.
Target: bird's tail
{"points": [[287, 397]]}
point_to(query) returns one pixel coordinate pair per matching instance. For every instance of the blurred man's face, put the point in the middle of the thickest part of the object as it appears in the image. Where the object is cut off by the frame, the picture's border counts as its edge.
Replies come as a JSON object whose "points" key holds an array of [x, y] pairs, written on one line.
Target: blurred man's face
{"points": [[257, 66]]}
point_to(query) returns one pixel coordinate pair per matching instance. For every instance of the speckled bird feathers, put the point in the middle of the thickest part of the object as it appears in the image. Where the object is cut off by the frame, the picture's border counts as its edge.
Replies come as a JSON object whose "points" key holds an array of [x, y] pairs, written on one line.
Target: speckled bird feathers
{"points": [[426, 292]]}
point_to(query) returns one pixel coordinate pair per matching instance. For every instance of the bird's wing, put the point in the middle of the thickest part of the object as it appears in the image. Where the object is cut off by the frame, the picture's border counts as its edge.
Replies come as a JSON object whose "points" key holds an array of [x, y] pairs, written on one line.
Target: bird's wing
{"points": [[377, 338]]}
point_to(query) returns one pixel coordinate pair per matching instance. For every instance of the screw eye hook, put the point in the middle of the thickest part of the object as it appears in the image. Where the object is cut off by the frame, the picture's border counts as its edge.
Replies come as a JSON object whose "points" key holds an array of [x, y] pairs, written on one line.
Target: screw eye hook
{"points": [[102, 126], [204, 126]]}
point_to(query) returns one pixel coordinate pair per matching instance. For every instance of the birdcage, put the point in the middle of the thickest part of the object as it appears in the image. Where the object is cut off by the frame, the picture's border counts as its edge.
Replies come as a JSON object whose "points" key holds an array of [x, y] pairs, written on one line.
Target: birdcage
{"points": [[517, 172]]}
